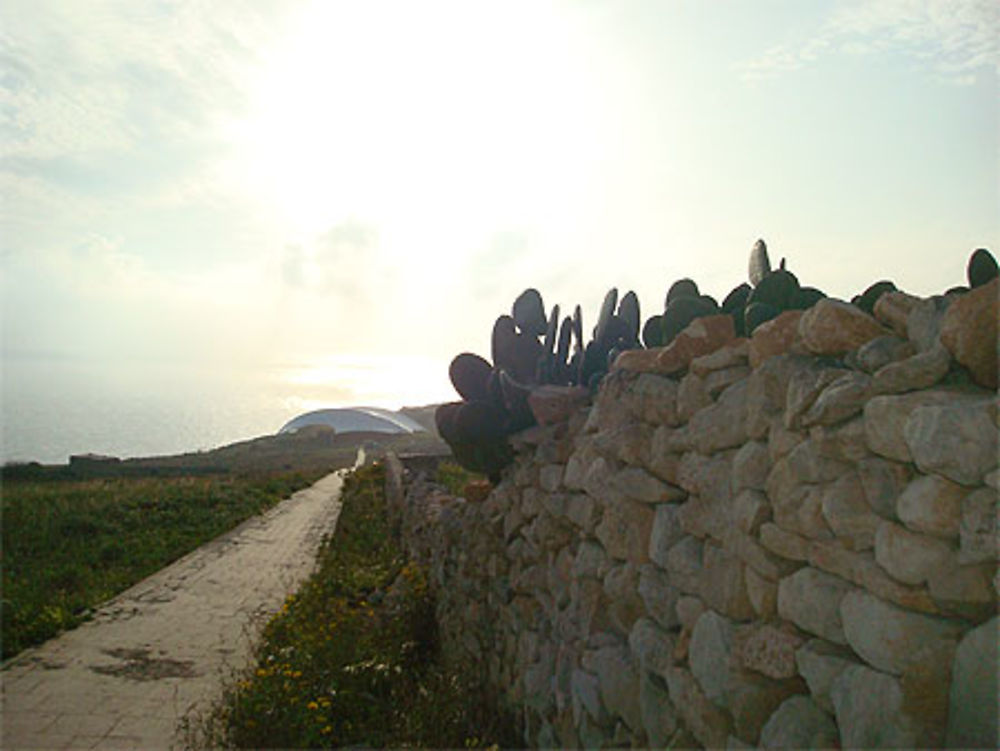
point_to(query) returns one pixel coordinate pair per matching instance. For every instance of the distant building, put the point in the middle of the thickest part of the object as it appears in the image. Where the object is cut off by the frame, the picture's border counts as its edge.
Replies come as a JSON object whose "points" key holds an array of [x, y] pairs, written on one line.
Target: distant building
{"points": [[356, 420]]}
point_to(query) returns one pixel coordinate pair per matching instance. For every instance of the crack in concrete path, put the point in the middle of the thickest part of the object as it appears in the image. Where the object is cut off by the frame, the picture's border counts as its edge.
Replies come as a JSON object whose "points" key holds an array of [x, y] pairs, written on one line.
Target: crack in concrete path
{"points": [[160, 651]]}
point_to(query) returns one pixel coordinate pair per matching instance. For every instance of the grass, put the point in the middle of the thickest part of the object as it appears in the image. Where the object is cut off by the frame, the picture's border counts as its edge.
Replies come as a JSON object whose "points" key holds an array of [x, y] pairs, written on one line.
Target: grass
{"points": [[353, 658], [69, 545]]}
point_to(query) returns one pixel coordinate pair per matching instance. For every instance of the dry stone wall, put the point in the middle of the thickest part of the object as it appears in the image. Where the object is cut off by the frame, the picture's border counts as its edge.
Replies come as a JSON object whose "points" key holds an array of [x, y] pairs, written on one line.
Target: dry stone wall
{"points": [[782, 542]]}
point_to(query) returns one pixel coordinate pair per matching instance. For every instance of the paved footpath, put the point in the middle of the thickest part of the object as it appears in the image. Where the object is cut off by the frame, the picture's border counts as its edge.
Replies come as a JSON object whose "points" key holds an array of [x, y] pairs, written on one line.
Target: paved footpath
{"points": [[161, 649]]}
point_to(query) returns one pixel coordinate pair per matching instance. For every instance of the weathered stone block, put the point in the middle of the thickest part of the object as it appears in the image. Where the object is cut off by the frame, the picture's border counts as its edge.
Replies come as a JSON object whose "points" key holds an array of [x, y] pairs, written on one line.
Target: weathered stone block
{"points": [[652, 646], [908, 556], [659, 715], [920, 371], [932, 505], [684, 565], [766, 390], [624, 531], [774, 338], [763, 594], [869, 707], [730, 356], [750, 510], [709, 654], [637, 484], [619, 684], [978, 527], [692, 396], [723, 424], [656, 398], [957, 440], [882, 482], [751, 463], [784, 543], [882, 351], [811, 600], [841, 399], [709, 724], [666, 532], [720, 380], [966, 591], [820, 663], [886, 417], [769, 650], [860, 568], [659, 595], [848, 514], [887, 637], [969, 331], [664, 462], [723, 586], [832, 327], [972, 716], [799, 723]]}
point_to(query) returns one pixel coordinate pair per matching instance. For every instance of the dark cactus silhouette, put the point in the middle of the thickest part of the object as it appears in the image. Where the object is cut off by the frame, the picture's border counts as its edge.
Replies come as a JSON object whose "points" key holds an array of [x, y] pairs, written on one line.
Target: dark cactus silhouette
{"points": [[530, 349]]}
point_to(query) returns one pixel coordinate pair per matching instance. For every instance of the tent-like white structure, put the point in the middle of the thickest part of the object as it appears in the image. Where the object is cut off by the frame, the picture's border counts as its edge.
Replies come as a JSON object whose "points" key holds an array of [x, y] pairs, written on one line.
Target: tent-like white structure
{"points": [[355, 420]]}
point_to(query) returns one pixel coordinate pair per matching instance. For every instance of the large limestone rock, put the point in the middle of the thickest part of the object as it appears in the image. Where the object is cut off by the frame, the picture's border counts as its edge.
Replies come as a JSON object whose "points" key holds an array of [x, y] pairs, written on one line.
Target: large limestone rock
{"points": [[653, 398], [554, 404], [619, 684], [722, 425], [821, 663], [769, 650], [932, 505], [709, 654], [637, 484], [893, 310], [659, 715], [723, 583], [731, 356], [774, 337], [978, 527], [888, 637], [886, 418], [832, 327], [969, 331], [652, 646], [659, 595], [702, 337], [973, 705], [709, 724], [666, 532], [920, 371], [624, 530], [869, 707], [751, 464], [957, 440], [799, 723], [811, 600], [908, 556]]}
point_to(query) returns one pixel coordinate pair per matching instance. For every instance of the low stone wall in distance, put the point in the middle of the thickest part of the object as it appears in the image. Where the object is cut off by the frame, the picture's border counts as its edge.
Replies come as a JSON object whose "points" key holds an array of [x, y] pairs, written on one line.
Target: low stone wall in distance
{"points": [[782, 542]]}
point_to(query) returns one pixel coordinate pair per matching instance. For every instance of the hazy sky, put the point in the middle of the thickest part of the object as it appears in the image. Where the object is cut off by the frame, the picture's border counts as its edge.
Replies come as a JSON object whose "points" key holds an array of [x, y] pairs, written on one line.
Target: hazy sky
{"points": [[258, 183]]}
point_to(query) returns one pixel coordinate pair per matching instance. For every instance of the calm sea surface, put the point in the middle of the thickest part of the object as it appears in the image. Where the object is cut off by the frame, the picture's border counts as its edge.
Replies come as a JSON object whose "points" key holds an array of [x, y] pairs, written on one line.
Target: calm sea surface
{"points": [[51, 409]]}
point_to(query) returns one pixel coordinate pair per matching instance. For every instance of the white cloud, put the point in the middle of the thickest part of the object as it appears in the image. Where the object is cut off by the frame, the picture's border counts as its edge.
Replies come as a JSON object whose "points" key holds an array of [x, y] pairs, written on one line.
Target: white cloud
{"points": [[951, 39]]}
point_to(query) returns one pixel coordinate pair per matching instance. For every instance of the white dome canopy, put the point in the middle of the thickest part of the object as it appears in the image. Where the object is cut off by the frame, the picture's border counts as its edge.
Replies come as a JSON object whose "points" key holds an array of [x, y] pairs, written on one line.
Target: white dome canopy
{"points": [[355, 420]]}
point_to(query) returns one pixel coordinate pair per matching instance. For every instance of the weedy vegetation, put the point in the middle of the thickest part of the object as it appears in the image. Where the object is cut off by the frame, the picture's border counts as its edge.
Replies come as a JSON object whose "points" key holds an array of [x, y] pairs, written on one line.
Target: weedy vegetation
{"points": [[70, 544], [353, 659]]}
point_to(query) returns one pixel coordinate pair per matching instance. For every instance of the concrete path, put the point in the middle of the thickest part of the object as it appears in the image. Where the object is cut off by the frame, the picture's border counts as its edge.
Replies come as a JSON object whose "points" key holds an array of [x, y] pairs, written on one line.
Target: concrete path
{"points": [[161, 649]]}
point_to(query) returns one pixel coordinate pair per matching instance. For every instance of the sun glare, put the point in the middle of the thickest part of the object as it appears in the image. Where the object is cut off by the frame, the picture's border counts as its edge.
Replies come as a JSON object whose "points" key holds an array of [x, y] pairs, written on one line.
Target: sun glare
{"points": [[421, 116]]}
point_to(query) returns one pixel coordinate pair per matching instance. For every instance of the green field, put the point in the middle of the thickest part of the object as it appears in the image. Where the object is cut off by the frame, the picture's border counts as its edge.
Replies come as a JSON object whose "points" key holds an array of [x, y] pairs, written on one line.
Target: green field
{"points": [[70, 544]]}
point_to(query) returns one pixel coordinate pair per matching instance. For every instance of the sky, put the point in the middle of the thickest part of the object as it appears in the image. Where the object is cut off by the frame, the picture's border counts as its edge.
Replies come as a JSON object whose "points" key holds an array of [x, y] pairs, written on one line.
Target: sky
{"points": [[352, 192]]}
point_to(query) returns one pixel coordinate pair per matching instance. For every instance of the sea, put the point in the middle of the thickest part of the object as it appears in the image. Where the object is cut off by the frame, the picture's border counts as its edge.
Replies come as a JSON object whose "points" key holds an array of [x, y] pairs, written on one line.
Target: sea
{"points": [[53, 408]]}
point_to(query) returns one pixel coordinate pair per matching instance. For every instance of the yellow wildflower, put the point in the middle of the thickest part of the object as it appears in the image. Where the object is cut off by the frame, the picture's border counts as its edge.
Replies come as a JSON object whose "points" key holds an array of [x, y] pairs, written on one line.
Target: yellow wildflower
{"points": [[312, 705]]}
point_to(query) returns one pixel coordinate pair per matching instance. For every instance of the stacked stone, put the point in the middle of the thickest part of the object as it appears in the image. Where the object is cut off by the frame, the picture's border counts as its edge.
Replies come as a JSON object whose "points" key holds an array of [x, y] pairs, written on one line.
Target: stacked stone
{"points": [[787, 541]]}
